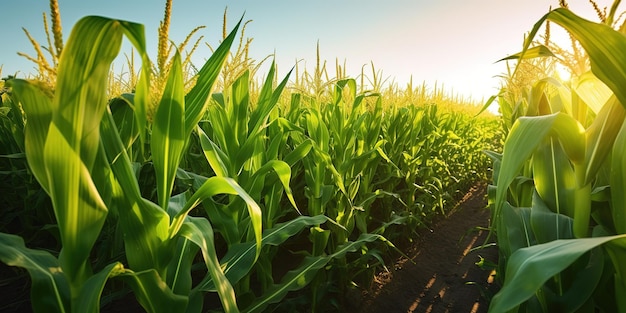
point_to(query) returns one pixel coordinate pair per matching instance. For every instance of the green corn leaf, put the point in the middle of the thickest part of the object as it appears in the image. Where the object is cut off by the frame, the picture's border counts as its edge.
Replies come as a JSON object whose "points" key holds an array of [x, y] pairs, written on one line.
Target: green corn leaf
{"points": [[240, 257], [179, 270], [547, 225], [83, 71], [301, 276], [141, 100], [601, 136], [299, 152], [221, 185], [50, 290], [529, 268], [526, 134], [153, 293], [37, 104], [267, 100], [603, 44], [168, 132], [237, 111], [200, 232], [214, 155], [531, 53], [198, 97], [124, 117], [89, 297], [618, 181], [593, 92], [283, 171], [517, 232], [144, 224], [79, 210], [554, 177]]}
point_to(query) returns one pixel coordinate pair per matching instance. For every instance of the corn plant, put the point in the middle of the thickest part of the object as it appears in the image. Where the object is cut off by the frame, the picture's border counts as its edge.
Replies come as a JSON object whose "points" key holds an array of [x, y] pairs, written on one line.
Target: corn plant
{"points": [[557, 207], [77, 155]]}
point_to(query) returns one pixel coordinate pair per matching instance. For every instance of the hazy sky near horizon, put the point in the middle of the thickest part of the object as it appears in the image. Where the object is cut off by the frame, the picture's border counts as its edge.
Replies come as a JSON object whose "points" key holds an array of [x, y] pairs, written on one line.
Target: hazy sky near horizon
{"points": [[451, 42]]}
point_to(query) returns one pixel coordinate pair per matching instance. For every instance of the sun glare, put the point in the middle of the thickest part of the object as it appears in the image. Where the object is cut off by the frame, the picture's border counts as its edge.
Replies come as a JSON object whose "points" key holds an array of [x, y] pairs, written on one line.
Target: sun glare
{"points": [[563, 73]]}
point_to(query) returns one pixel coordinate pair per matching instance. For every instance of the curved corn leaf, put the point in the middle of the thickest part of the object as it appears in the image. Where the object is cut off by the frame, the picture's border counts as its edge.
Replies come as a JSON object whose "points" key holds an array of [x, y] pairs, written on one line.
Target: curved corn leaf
{"points": [[153, 293], [200, 232], [216, 157], [89, 297], [221, 185], [529, 268], [531, 53], [592, 91], [299, 152], [603, 44], [283, 171], [50, 290], [141, 100]]}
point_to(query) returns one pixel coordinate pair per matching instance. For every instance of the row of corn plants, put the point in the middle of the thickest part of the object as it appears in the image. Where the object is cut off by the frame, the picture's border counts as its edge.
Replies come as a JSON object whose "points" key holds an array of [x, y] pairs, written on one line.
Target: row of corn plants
{"points": [[205, 189], [558, 194]]}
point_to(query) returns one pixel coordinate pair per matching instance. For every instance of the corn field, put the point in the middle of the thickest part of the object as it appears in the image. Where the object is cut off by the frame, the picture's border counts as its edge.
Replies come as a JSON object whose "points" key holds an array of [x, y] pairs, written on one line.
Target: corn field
{"points": [[195, 189]]}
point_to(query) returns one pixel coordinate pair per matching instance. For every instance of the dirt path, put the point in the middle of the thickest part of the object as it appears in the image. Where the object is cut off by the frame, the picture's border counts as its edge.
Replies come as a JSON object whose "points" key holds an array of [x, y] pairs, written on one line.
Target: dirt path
{"points": [[444, 276]]}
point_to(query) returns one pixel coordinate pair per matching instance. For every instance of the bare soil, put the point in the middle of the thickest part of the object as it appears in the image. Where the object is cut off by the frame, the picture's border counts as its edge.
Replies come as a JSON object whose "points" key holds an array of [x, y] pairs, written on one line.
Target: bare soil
{"points": [[441, 274]]}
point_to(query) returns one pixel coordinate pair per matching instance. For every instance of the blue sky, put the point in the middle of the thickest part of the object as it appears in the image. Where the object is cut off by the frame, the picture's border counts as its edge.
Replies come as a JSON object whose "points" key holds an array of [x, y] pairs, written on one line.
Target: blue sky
{"points": [[451, 42]]}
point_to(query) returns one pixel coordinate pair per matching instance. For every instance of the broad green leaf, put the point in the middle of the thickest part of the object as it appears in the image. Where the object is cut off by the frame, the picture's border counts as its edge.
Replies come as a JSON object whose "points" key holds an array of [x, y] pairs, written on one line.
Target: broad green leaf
{"points": [[299, 152], [198, 98], [153, 293], [529, 268], [50, 290], [36, 100], [144, 224], [601, 136], [124, 117], [547, 225], [80, 97], [515, 232], [221, 185], [554, 177], [213, 154], [200, 232], [618, 181], [283, 171], [526, 134], [89, 297], [168, 132], [79, 209], [179, 270], [603, 44], [592, 91]]}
